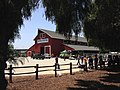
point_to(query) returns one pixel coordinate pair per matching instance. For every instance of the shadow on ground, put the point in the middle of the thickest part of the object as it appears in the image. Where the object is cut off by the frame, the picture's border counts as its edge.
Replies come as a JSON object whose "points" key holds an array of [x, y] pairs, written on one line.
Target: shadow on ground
{"points": [[114, 69], [113, 76], [92, 85]]}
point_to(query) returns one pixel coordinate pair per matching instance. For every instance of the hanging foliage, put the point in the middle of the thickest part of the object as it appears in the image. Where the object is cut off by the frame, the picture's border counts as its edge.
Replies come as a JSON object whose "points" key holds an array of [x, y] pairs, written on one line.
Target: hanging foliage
{"points": [[68, 15], [102, 25]]}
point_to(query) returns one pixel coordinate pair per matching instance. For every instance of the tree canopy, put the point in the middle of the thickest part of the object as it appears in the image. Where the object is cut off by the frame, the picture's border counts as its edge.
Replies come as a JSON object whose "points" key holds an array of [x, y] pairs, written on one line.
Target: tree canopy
{"points": [[100, 19], [12, 14], [67, 14], [102, 24]]}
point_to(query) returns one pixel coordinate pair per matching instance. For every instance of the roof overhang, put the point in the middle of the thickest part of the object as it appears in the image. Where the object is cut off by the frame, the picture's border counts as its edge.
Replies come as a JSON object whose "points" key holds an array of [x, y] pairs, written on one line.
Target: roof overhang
{"points": [[83, 48]]}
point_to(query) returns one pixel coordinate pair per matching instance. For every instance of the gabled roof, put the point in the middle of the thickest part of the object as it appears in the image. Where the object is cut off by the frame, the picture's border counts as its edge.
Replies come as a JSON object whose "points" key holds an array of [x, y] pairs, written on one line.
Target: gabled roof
{"points": [[53, 34], [83, 48]]}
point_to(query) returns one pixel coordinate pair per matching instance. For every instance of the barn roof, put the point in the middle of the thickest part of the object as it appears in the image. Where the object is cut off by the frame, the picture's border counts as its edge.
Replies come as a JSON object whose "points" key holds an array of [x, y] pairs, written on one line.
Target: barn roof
{"points": [[81, 48], [53, 34]]}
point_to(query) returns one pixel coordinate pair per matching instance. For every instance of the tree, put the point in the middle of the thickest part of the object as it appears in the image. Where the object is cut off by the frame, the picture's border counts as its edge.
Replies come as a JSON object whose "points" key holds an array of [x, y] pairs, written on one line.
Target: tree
{"points": [[12, 14], [102, 24], [67, 14], [12, 58]]}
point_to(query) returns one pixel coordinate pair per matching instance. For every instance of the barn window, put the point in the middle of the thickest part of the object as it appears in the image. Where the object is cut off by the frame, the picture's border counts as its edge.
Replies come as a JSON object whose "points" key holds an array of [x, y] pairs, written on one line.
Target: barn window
{"points": [[42, 35]]}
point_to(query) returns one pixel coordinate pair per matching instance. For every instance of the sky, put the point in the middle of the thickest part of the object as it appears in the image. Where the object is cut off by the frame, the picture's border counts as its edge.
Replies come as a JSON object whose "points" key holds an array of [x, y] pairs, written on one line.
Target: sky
{"points": [[30, 28]]}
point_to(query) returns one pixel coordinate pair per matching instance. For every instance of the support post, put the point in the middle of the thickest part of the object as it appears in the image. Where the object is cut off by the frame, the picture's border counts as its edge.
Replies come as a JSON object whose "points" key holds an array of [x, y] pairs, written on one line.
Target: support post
{"points": [[85, 68], [55, 69], [37, 71], [10, 77], [70, 68]]}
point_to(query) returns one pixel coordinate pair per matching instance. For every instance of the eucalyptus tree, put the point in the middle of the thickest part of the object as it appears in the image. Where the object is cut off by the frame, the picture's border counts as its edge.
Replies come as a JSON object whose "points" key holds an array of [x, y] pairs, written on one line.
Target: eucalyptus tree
{"points": [[12, 14], [67, 14], [102, 25]]}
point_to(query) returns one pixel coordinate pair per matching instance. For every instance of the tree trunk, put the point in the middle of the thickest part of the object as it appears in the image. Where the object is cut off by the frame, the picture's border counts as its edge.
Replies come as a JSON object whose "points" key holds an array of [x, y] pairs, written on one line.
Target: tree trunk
{"points": [[3, 58]]}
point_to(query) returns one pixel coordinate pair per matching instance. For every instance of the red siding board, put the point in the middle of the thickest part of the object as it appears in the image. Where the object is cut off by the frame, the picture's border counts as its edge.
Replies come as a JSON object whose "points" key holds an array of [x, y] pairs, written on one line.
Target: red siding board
{"points": [[56, 44]]}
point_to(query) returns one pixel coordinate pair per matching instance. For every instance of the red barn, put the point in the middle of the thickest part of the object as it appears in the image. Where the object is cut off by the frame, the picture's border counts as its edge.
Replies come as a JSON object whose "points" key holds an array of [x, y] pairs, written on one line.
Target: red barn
{"points": [[53, 43]]}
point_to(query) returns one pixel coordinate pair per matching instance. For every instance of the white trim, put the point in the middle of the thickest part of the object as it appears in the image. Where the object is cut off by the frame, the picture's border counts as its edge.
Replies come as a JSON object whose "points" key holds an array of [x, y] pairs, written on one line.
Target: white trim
{"points": [[49, 49], [43, 40], [45, 32], [44, 49]]}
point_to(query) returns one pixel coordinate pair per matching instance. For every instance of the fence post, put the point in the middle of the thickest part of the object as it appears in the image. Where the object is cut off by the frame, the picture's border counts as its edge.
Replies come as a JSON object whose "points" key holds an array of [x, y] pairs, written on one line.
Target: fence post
{"points": [[36, 71], [85, 68], [55, 69], [70, 68], [10, 77]]}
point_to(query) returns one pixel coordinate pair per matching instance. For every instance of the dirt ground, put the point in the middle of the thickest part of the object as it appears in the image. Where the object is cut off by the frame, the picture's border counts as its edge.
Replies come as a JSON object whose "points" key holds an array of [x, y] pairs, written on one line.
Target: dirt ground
{"points": [[107, 79]]}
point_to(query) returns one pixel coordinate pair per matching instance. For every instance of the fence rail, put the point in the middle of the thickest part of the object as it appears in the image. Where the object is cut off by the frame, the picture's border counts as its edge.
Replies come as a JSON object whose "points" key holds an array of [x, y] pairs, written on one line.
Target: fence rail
{"points": [[63, 69], [64, 64], [55, 69], [45, 66], [24, 67], [23, 73], [46, 70]]}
